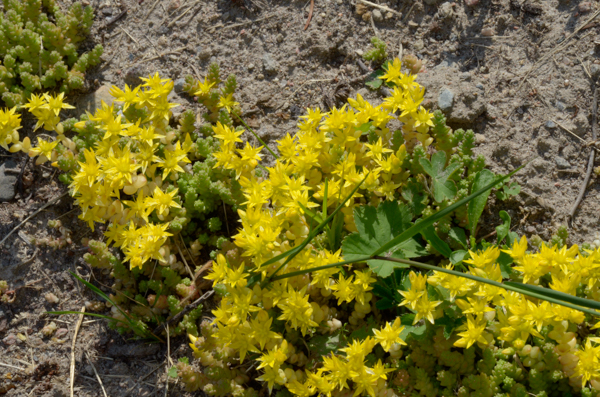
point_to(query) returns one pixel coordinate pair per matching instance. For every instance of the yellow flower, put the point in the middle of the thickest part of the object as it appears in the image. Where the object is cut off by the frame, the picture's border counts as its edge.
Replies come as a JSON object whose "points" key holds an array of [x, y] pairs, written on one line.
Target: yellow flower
{"points": [[162, 201], [227, 102], [474, 333], [389, 335]]}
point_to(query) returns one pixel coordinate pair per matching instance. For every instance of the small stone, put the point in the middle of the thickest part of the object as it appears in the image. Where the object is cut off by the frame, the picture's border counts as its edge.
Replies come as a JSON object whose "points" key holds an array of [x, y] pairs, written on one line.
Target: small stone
{"points": [[8, 179], [445, 10], [279, 38], [389, 15], [595, 70], [487, 32], [419, 45], [480, 138], [530, 229], [550, 124], [250, 67], [260, 77], [413, 24], [132, 76], [561, 163], [446, 100], [377, 16], [582, 124], [466, 76], [178, 84], [560, 106], [480, 86], [93, 101], [51, 298], [270, 65], [584, 7], [107, 11], [61, 332], [361, 9], [11, 339]]}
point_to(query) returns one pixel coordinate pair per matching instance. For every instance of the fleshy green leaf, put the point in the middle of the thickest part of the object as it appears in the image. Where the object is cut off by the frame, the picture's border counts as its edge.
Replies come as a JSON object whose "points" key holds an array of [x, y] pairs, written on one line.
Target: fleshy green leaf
{"points": [[475, 209], [377, 226], [439, 173], [502, 230]]}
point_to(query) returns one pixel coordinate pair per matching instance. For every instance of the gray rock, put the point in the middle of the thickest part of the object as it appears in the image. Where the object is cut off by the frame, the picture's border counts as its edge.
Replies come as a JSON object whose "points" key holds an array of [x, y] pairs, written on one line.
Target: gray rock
{"points": [[446, 100], [466, 76], [550, 124], [178, 84], [445, 10], [418, 45], [132, 76], [480, 86], [562, 163], [560, 105], [93, 101], [377, 17], [269, 63], [8, 179], [582, 124], [595, 70]]}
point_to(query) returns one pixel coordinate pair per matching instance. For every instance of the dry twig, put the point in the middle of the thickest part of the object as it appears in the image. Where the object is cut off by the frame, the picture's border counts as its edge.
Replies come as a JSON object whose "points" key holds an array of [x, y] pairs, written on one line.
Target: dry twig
{"points": [[381, 7], [96, 373], [590, 166], [48, 204], [72, 367], [310, 13], [185, 311]]}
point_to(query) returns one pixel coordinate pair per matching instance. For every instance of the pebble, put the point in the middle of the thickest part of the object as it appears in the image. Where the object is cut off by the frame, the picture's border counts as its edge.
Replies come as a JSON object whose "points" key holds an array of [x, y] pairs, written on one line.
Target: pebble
{"points": [[595, 70], [561, 163], [260, 76], [480, 138], [93, 101], [61, 332], [270, 65], [584, 7], [445, 10], [530, 229], [550, 124], [419, 45], [107, 11], [377, 16], [446, 100], [8, 180], [178, 84], [487, 32], [559, 105], [250, 67], [132, 76], [465, 76], [480, 86]]}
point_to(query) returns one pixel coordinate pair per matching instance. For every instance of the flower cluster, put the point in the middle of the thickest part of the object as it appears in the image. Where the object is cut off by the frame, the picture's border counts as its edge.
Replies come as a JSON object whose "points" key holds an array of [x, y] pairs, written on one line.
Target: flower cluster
{"points": [[317, 168]]}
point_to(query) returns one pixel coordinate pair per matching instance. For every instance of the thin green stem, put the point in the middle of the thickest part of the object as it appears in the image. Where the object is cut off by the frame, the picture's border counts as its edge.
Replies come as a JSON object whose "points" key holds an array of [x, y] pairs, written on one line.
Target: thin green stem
{"points": [[517, 289], [255, 135]]}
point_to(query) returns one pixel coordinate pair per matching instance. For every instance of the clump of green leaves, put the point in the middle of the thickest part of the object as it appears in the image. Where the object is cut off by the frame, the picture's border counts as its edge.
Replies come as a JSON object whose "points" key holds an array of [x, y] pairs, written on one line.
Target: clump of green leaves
{"points": [[378, 53], [38, 48]]}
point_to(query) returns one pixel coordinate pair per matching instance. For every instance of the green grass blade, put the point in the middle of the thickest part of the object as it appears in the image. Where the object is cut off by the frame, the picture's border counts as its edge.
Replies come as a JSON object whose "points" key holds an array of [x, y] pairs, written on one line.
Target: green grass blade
{"points": [[558, 295], [325, 199], [294, 251], [419, 227], [507, 286]]}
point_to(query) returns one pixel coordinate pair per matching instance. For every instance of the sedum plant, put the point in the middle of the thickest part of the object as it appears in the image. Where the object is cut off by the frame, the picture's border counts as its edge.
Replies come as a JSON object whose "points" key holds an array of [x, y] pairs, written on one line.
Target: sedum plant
{"points": [[316, 326], [38, 48], [154, 186]]}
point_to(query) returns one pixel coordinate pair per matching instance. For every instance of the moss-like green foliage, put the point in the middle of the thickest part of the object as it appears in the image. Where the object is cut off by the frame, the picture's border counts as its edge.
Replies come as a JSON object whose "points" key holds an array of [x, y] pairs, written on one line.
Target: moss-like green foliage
{"points": [[38, 48], [378, 53]]}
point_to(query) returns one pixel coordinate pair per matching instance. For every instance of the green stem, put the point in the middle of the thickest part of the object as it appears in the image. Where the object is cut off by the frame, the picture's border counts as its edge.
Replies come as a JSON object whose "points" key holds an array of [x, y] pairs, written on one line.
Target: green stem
{"points": [[255, 135], [519, 290]]}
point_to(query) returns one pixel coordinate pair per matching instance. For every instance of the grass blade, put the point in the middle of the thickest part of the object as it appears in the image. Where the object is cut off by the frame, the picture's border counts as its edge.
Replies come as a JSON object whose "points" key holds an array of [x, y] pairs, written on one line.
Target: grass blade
{"points": [[290, 254], [419, 227], [558, 295]]}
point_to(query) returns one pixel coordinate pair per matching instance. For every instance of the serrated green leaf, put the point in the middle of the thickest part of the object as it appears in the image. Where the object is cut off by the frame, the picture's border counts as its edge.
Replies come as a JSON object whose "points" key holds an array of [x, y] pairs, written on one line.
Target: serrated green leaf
{"points": [[475, 208], [413, 331], [377, 226], [373, 80], [173, 372], [457, 234], [439, 173]]}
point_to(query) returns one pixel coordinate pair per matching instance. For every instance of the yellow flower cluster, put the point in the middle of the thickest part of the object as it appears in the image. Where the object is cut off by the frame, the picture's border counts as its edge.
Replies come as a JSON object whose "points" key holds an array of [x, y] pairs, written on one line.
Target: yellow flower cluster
{"points": [[327, 156], [494, 313], [126, 160]]}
